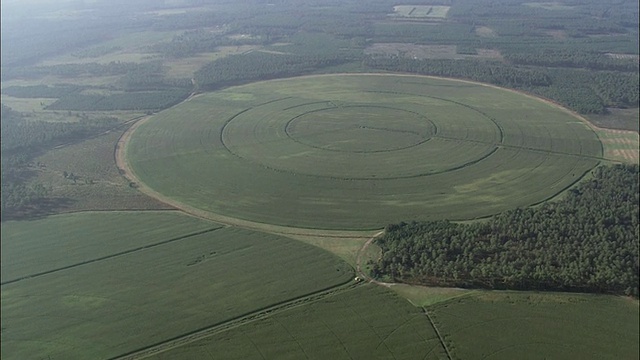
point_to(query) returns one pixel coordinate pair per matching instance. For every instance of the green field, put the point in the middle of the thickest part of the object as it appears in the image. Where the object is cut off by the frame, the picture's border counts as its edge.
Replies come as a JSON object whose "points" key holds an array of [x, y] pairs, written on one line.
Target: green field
{"points": [[421, 11], [93, 293], [525, 325], [58, 242], [361, 151], [366, 323], [373, 323]]}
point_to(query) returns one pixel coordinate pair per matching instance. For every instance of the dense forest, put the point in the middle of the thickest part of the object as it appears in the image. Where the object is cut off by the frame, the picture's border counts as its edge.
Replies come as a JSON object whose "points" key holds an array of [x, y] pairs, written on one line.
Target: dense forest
{"points": [[588, 241], [581, 90]]}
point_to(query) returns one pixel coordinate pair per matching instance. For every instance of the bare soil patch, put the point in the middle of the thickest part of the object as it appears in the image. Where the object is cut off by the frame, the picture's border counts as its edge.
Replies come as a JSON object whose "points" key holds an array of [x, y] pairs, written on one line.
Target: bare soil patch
{"points": [[485, 31]]}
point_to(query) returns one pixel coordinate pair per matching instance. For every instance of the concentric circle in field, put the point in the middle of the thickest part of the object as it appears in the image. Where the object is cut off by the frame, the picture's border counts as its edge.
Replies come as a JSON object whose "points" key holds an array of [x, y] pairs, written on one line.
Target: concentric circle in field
{"points": [[361, 151]]}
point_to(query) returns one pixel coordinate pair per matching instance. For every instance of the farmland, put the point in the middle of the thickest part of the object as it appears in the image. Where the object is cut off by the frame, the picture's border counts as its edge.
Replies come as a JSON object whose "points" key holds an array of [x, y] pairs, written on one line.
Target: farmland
{"points": [[512, 325], [368, 322], [189, 179], [156, 269], [371, 322], [329, 135]]}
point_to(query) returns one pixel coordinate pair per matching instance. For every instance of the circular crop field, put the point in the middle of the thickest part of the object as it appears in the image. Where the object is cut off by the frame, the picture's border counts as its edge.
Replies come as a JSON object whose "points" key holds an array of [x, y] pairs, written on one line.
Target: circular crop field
{"points": [[361, 151]]}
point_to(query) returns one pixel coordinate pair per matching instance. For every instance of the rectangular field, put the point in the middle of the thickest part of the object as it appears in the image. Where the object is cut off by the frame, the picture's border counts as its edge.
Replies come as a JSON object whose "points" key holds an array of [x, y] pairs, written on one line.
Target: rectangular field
{"points": [[56, 242], [527, 325], [134, 299], [369, 322], [620, 145]]}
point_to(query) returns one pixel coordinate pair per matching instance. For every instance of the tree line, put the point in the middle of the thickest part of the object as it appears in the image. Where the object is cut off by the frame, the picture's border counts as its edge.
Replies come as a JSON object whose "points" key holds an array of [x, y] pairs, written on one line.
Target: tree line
{"points": [[584, 91], [588, 241]]}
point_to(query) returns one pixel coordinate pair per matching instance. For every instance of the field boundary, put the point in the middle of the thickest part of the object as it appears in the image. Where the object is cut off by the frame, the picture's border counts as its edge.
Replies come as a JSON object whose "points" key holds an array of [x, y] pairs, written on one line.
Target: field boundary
{"points": [[444, 345], [237, 321], [126, 171], [118, 254]]}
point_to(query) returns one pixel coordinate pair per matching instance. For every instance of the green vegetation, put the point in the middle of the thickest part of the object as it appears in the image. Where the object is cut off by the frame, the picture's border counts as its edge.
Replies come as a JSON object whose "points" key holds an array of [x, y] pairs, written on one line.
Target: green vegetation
{"points": [[421, 11], [524, 325], [126, 293], [374, 323], [330, 135], [31, 248], [22, 140], [588, 241], [367, 322], [338, 152]]}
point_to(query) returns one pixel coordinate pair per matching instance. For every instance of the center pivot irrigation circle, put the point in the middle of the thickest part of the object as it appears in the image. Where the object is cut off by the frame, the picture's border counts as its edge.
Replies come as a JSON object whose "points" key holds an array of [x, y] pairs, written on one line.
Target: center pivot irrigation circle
{"points": [[361, 151], [368, 129], [353, 141]]}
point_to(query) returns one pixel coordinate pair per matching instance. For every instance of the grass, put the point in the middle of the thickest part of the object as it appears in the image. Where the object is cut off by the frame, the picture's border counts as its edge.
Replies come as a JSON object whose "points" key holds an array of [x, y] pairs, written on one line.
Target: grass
{"points": [[549, 5], [99, 186], [344, 247], [421, 11], [620, 145], [361, 151], [26, 105], [426, 296], [133, 299], [186, 67], [526, 325], [621, 119], [416, 51], [366, 323]]}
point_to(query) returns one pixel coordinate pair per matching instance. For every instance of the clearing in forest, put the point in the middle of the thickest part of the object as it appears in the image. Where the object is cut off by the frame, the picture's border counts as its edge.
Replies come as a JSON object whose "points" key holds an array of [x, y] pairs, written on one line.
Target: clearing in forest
{"points": [[421, 11]]}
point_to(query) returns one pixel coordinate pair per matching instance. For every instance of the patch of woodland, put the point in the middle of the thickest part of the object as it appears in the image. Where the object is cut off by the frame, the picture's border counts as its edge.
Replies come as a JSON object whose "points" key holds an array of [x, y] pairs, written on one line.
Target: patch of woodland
{"points": [[586, 242]]}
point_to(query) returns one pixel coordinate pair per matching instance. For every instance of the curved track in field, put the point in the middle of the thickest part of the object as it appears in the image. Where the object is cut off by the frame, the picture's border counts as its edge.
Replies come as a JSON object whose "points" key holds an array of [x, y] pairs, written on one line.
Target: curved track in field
{"points": [[359, 151]]}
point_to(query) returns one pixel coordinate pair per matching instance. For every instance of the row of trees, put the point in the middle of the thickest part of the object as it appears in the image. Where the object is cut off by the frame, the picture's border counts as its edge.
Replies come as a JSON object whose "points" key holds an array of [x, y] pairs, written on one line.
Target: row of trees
{"points": [[581, 90], [72, 70], [588, 241], [260, 66], [573, 59], [139, 100]]}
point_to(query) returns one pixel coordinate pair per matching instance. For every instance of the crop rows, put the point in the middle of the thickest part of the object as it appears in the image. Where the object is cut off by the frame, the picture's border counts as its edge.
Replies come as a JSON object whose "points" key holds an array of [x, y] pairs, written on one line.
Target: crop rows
{"points": [[109, 306], [361, 151]]}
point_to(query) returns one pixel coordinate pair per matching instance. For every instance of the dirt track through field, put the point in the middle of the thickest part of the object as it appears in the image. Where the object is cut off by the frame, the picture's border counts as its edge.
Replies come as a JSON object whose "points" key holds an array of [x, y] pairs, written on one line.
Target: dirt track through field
{"points": [[239, 321]]}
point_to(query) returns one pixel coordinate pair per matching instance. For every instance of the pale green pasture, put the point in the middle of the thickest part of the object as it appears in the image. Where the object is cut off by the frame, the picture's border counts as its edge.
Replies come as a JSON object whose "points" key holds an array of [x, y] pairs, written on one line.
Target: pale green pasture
{"points": [[26, 105], [134, 299], [254, 152], [421, 11], [620, 145], [185, 67], [117, 56], [425, 296], [555, 5], [345, 247]]}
